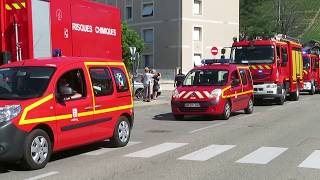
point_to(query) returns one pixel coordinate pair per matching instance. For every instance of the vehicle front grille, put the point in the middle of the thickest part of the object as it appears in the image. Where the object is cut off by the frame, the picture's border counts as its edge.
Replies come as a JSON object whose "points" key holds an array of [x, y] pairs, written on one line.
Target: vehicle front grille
{"points": [[197, 109]]}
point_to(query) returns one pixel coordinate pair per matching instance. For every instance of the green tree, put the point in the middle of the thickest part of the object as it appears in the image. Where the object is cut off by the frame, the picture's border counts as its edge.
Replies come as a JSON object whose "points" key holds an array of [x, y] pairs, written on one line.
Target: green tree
{"points": [[130, 38]]}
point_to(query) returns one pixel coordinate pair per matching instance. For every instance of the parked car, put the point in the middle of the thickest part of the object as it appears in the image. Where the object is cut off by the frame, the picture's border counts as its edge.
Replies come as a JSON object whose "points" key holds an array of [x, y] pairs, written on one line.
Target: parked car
{"points": [[138, 87]]}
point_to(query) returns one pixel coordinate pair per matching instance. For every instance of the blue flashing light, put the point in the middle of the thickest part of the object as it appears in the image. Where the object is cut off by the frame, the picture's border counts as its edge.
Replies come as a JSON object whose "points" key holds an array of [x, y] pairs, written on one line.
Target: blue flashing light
{"points": [[215, 61]]}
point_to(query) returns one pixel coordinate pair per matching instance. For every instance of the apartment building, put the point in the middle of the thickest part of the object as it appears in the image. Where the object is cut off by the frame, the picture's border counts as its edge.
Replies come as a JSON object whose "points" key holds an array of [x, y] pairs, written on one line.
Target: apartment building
{"points": [[179, 33]]}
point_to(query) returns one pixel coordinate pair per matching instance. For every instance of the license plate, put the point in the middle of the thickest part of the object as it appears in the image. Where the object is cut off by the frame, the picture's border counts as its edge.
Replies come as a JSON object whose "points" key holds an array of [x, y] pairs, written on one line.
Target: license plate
{"points": [[191, 105]]}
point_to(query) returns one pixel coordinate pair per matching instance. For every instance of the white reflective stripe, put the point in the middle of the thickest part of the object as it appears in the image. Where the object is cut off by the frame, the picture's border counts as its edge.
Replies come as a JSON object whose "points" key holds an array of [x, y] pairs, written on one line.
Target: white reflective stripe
{"points": [[206, 93], [199, 94], [187, 95], [182, 93], [262, 155], [207, 153], [41, 176], [106, 150], [156, 150], [313, 161]]}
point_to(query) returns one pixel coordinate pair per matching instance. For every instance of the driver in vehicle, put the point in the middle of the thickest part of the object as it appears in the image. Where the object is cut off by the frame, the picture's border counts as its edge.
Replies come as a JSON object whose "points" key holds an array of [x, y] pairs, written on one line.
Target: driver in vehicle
{"points": [[63, 83]]}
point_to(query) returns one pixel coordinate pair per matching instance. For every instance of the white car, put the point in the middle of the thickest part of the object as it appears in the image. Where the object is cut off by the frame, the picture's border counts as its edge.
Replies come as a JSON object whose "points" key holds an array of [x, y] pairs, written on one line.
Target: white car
{"points": [[138, 90]]}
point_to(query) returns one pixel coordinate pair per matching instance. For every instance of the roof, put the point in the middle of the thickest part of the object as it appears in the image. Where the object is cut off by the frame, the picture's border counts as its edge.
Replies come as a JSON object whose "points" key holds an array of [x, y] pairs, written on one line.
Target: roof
{"points": [[55, 62], [225, 66]]}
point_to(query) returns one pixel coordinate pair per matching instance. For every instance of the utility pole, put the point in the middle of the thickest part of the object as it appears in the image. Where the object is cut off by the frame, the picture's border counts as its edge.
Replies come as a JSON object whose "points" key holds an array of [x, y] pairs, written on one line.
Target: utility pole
{"points": [[279, 14]]}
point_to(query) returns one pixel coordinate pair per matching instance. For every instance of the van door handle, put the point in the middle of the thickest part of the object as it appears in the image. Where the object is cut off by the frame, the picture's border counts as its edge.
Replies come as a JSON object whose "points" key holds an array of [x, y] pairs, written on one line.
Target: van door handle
{"points": [[97, 106], [88, 108]]}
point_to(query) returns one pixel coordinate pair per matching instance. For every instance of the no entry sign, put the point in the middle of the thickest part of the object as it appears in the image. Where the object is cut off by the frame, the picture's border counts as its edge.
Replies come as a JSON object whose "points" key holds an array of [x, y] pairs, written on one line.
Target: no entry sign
{"points": [[214, 51]]}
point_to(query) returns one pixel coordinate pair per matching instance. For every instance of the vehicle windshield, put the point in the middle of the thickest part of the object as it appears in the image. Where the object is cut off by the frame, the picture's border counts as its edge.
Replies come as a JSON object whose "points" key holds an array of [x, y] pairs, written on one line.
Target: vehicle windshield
{"points": [[254, 55], [206, 78], [24, 82], [306, 63]]}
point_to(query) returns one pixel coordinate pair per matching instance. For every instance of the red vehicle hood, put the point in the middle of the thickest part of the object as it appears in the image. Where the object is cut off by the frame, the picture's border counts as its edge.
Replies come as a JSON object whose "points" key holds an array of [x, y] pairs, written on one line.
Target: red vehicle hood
{"points": [[196, 93]]}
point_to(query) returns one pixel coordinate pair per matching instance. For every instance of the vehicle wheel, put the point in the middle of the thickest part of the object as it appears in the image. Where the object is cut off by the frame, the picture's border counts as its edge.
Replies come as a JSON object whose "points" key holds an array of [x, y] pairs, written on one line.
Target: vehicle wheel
{"points": [[178, 117], [282, 99], [295, 95], [37, 150], [227, 111], [249, 109], [313, 89], [121, 134]]}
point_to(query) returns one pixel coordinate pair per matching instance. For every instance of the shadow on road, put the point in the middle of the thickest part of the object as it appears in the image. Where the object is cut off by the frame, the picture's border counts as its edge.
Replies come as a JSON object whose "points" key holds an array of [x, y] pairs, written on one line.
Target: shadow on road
{"points": [[169, 117]]}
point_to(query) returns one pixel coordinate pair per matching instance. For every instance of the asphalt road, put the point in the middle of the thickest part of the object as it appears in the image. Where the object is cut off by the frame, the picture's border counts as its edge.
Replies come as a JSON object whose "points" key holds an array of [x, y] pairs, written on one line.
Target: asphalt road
{"points": [[275, 142]]}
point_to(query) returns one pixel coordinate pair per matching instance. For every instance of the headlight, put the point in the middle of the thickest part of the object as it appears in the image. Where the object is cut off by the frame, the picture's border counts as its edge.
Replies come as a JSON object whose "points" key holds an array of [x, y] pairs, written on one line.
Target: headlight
{"points": [[175, 94], [215, 93], [7, 113]]}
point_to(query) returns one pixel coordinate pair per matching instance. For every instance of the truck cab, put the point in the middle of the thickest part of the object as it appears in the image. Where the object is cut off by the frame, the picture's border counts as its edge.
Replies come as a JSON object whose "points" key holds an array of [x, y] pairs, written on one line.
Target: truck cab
{"points": [[214, 89], [311, 73], [276, 66]]}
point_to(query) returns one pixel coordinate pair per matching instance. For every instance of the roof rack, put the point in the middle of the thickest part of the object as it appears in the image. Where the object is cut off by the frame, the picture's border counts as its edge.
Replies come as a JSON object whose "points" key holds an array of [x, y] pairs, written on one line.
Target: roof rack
{"points": [[282, 37]]}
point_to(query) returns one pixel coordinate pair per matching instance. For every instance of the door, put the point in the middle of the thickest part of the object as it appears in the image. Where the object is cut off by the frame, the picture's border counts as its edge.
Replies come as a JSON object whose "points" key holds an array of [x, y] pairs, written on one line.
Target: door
{"points": [[235, 90], [102, 85], [246, 88], [74, 112]]}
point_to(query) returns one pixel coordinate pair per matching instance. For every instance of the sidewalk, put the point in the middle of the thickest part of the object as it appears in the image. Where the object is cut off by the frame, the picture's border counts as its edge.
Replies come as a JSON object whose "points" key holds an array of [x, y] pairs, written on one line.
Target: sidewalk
{"points": [[164, 98]]}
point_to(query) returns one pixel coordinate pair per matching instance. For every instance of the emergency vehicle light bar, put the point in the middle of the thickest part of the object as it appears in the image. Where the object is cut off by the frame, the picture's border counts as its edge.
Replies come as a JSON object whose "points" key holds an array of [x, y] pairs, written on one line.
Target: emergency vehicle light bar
{"points": [[282, 37]]}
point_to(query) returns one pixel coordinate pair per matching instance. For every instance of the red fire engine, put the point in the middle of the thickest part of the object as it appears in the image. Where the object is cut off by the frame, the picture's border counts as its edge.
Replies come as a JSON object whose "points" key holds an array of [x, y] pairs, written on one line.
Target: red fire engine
{"points": [[36, 29], [276, 65], [311, 73]]}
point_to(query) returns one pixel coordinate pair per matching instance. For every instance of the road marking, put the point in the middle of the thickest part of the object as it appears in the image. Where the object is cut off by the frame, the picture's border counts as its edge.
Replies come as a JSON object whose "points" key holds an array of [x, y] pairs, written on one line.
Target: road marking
{"points": [[106, 150], [207, 153], [41, 176], [292, 102], [215, 125], [247, 116], [274, 108], [156, 150], [313, 161], [262, 155]]}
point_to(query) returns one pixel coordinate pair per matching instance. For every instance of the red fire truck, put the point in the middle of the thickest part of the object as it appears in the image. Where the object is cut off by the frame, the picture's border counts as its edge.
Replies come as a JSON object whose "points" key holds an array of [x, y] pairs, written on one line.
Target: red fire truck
{"points": [[311, 73], [276, 65], [36, 29]]}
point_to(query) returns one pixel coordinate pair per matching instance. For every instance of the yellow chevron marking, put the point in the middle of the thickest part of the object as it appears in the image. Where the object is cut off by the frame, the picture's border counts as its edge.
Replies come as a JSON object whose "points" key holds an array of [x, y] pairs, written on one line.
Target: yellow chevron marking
{"points": [[23, 4], [8, 7], [16, 6], [260, 67]]}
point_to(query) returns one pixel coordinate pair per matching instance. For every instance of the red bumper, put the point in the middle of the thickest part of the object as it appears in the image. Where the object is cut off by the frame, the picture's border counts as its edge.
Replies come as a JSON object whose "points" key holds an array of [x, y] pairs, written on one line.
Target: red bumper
{"points": [[206, 108]]}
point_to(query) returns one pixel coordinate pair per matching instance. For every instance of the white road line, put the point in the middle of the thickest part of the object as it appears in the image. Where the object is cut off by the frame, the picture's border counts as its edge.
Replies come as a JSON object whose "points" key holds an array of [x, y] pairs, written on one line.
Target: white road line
{"points": [[247, 116], [292, 102], [207, 153], [215, 125], [106, 150], [274, 108], [262, 155], [313, 161], [41, 176], [156, 150]]}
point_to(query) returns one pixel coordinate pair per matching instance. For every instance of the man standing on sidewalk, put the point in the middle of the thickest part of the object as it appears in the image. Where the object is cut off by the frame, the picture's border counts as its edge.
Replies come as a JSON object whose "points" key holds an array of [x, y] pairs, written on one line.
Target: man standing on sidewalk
{"points": [[146, 79], [178, 80]]}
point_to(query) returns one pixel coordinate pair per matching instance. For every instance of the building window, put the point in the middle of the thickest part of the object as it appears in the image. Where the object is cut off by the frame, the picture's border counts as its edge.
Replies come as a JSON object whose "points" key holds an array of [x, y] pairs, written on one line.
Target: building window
{"points": [[197, 59], [147, 59], [197, 7], [197, 34], [147, 10], [128, 12], [147, 35]]}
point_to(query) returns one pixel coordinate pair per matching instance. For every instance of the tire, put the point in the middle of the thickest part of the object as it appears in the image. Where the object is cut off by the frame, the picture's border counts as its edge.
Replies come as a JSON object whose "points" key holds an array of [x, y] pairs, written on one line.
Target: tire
{"points": [[249, 109], [37, 150], [282, 99], [295, 96], [226, 111], [121, 133], [178, 117], [313, 89]]}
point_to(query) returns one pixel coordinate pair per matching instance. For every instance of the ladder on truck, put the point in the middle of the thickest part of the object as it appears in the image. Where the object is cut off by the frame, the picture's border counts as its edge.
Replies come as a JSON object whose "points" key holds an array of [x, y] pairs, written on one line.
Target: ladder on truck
{"points": [[286, 38]]}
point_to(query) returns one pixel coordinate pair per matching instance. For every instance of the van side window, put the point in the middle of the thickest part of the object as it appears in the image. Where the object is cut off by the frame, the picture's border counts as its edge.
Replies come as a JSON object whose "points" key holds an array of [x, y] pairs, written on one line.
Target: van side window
{"points": [[284, 55], [71, 85], [120, 79], [249, 77], [235, 76], [243, 77], [101, 81]]}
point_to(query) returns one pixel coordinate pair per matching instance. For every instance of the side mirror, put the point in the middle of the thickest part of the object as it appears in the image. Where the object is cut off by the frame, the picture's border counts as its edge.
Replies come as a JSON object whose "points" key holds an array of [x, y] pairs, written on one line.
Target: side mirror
{"points": [[235, 82]]}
